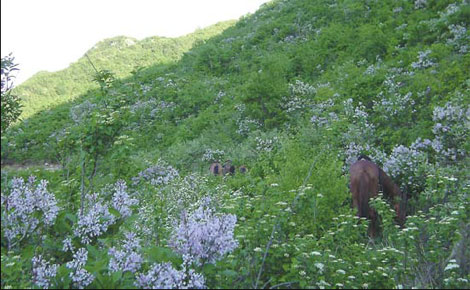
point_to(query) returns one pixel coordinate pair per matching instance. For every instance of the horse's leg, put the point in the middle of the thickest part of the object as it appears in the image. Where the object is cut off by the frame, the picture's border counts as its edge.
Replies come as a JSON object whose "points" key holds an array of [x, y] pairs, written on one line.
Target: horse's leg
{"points": [[374, 223]]}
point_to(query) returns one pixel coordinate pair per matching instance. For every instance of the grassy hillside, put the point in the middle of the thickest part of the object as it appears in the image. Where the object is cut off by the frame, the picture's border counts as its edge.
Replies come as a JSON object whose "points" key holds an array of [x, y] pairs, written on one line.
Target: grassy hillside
{"points": [[296, 92], [122, 55]]}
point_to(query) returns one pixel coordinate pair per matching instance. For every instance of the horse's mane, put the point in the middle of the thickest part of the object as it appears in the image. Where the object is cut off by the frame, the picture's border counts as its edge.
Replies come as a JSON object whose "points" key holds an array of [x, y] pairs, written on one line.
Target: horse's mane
{"points": [[364, 157]]}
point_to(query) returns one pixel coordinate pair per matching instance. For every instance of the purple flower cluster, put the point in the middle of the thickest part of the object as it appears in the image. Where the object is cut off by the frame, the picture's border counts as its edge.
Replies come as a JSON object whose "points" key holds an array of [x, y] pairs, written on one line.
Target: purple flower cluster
{"points": [[43, 272], [203, 235], [359, 127], [394, 105], [82, 111], [80, 277], [164, 276], [158, 174], [127, 258], [95, 219], [20, 208], [461, 38], [67, 245], [121, 200], [451, 124]]}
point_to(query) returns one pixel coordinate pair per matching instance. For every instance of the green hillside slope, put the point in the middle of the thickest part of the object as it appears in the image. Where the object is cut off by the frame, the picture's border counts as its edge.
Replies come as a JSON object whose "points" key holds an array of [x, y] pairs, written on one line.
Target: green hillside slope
{"points": [[122, 55], [295, 93]]}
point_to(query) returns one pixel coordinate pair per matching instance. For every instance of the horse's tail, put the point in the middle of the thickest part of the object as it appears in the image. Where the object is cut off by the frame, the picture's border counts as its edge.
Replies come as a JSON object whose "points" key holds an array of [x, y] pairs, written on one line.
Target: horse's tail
{"points": [[363, 203]]}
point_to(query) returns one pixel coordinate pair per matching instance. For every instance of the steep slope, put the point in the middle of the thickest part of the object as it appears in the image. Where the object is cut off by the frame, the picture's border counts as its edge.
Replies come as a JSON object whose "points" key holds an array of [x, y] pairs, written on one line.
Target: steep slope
{"points": [[295, 92], [121, 55]]}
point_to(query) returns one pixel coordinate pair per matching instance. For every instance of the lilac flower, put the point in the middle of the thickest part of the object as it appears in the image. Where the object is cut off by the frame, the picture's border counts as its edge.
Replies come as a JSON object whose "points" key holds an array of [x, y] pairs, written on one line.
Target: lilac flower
{"points": [[121, 200], [128, 258], [43, 272], [204, 235], [423, 60], [80, 276], [451, 130], [95, 220], [164, 276], [159, 174], [20, 208], [67, 245], [82, 111]]}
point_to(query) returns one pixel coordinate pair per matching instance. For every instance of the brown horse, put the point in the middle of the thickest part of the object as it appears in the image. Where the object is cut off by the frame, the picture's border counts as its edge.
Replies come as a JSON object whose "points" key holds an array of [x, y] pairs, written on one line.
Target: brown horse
{"points": [[229, 168], [366, 180], [216, 168]]}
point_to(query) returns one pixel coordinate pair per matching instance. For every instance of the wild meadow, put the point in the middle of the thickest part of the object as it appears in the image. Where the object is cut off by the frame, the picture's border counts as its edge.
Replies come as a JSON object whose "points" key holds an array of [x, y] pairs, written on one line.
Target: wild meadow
{"points": [[295, 92]]}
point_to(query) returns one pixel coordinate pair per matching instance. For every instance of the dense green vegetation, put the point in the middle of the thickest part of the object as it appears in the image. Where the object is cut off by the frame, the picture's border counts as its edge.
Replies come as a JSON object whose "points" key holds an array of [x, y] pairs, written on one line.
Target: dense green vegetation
{"points": [[295, 92]]}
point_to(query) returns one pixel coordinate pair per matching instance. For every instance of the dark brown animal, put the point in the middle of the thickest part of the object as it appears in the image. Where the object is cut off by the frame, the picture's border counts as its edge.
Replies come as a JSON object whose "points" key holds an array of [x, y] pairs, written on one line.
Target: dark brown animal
{"points": [[216, 168], [229, 168], [242, 169], [366, 180]]}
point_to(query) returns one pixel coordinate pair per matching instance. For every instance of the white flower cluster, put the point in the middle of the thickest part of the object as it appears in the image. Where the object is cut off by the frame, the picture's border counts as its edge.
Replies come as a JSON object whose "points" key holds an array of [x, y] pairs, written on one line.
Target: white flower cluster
{"points": [[424, 61], [302, 89], [394, 105], [461, 38], [151, 105], [292, 104], [246, 125], [419, 4], [266, 145], [213, 155], [322, 114]]}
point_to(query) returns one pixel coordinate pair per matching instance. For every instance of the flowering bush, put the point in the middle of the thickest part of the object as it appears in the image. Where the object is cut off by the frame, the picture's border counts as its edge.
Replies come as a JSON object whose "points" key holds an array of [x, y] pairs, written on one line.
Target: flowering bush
{"points": [[213, 155], [121, 200], [80, 277], [25, 207], [204, 235], [451, 131], [43, 272], [157, 175], [94, 220], [164, 276], [128, 258]]}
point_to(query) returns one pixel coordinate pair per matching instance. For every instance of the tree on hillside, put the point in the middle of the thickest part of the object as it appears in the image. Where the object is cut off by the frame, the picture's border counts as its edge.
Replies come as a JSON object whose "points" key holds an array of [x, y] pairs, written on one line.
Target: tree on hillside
{"points": [[11, 106]]}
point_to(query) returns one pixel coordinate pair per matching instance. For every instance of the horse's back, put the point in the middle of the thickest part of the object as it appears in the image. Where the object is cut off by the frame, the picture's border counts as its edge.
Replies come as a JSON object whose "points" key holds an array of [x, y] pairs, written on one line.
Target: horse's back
{"points": [[364, 184]]}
